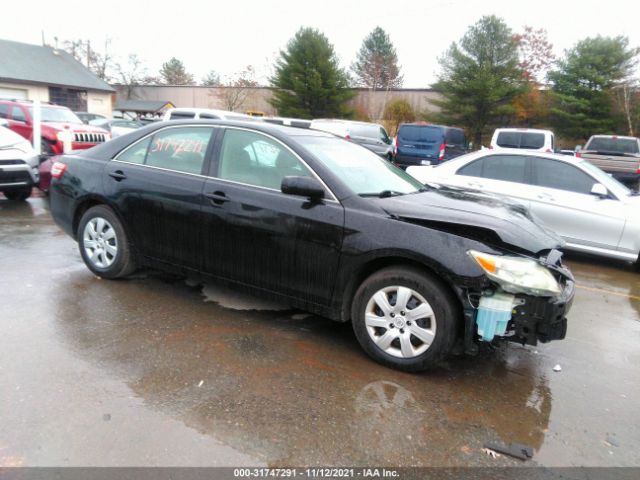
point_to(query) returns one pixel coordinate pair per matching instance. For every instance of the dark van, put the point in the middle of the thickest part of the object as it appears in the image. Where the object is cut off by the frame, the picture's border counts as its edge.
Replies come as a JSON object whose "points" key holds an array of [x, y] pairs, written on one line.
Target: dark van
{"points": [[422, 144]]}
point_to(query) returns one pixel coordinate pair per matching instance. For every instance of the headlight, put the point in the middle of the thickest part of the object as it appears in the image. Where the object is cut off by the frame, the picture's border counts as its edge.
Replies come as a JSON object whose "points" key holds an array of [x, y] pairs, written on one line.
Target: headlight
{"points": [[517, 274]]}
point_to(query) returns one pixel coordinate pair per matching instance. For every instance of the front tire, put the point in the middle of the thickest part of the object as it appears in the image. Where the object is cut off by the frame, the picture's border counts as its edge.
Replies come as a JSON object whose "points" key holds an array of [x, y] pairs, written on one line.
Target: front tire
{"points": [[103, 243], [18, 195], [405, 319]]}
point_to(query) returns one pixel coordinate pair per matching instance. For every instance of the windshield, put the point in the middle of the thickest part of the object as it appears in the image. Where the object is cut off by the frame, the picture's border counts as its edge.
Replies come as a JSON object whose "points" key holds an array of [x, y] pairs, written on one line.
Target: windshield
{"points": [[605, 179], [613, 145], [360, 169], [62, 115]]}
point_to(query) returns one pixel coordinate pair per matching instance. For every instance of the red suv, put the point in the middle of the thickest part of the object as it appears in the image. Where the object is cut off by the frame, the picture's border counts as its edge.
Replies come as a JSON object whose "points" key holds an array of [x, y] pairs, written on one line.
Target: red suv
{"points": [[55, 120]]}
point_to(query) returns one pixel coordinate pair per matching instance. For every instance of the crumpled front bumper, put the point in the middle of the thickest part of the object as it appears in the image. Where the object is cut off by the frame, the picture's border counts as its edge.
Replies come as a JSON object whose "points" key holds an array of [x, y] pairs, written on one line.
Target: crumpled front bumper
{"points": [[541, 319]]}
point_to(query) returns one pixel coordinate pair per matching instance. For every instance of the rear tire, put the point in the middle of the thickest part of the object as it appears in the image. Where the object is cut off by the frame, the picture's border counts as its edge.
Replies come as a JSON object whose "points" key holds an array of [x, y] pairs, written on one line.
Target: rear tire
{"points": [[103, 243], [18, 195], [405, 319]]}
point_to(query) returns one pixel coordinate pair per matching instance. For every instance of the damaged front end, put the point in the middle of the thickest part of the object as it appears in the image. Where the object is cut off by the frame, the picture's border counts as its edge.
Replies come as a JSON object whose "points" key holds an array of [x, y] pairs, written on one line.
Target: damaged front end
{"points": [[527, 303]]}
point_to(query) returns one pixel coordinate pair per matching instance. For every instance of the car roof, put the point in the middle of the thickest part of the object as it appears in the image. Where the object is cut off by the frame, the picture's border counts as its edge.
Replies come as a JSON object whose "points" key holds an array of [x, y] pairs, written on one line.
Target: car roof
{"points": [[523, 129], [615, 136], [341, 120], [422, 124], [109, 149], [512, 151]]}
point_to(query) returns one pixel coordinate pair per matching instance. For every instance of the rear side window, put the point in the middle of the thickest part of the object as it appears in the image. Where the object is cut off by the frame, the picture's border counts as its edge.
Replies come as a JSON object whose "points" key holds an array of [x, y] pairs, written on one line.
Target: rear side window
{"points": [[613, 145], [455, 136], [180, 149], [528, 140], [136, 153], [181, 115], [561, 176], [4, 110], [421, 133], [507, 168]]}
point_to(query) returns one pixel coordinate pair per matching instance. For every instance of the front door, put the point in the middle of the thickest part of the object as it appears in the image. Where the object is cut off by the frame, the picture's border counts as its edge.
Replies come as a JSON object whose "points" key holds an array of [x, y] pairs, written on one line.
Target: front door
{"points": [[564, 202], [157, 186], [255, 234]]}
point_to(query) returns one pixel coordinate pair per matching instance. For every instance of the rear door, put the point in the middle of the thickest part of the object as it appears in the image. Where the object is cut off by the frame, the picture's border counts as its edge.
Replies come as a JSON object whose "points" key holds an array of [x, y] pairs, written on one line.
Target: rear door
{"points": [[156, 185], [507, 175], [255, 234], [564, 203]]}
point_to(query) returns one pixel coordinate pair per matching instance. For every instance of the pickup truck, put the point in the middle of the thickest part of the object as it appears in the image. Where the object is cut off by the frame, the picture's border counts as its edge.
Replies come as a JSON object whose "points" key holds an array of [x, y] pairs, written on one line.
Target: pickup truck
{"points": [[619, 156]]}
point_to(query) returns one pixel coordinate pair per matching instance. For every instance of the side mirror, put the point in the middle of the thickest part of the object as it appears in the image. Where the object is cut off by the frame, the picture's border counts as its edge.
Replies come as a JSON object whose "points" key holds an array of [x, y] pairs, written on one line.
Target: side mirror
{"points": [[578, 148], [4, 122], [302, 186], [599, 190]]}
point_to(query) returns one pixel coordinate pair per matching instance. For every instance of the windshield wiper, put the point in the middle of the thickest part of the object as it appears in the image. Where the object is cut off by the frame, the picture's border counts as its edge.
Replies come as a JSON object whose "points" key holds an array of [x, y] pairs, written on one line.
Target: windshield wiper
{"points": [[382, 194]]}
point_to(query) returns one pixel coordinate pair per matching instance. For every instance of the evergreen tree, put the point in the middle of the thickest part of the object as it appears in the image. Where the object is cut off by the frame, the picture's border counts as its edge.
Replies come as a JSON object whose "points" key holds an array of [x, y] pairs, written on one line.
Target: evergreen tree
{"points": [[376, 65], [308, 80], [479, 78], [584, 82], [211, 79], [173, 72]]}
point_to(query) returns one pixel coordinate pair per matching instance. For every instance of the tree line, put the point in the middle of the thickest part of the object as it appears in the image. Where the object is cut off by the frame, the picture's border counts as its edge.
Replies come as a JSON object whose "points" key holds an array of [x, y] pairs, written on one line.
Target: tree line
{"points": [[490, 77]]}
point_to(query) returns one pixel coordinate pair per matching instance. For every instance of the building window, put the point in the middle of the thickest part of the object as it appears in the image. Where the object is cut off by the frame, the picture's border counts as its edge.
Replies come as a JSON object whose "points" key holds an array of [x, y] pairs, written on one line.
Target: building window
{"points": [[76, 100]]}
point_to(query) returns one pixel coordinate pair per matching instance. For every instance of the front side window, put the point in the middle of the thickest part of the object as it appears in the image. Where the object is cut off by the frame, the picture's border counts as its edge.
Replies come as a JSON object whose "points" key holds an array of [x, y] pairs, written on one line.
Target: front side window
{"points": [[561, 176], [384, 136], [4, 110], [507, 168], [255, 159]]}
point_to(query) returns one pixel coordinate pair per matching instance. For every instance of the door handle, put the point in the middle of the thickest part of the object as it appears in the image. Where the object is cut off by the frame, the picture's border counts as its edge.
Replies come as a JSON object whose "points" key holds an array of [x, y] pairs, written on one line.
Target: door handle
{"points": [[118, 175], [217, 198], [474, 185], [545, 196]]}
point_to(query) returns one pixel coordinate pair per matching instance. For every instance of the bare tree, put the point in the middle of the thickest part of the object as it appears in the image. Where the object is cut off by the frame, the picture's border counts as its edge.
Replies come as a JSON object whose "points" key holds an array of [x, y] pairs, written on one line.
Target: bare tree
{"points": [[99, 62], [131, 74], [235, 90]]}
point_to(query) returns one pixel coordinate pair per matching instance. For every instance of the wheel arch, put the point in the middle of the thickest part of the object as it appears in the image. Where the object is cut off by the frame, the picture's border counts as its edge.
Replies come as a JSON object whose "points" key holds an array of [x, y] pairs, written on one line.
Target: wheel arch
{"points": [[88, 202], [373, 265]]}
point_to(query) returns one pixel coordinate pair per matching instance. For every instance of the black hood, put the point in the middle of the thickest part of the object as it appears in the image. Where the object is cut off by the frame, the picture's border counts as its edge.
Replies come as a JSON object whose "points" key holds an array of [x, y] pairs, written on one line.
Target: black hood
{"points": [[480, 216]]}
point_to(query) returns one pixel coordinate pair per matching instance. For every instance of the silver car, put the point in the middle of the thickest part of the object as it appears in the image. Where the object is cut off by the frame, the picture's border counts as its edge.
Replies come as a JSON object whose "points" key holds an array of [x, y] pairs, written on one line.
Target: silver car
{"points": [[18, 165], [593, 212]]}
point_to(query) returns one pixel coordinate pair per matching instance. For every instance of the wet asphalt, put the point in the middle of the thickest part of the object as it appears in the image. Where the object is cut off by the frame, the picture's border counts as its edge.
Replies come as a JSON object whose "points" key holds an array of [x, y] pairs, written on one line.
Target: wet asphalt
{"points": [[158, 371]]}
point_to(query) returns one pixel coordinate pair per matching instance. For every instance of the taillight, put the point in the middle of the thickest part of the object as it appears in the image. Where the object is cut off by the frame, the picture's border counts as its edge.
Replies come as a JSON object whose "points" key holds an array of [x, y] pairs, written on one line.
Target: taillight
{"points": [[548, 150], [490, 147], [638, 169], [441, 153], [58, 169], [347, 137], [578, 154]]}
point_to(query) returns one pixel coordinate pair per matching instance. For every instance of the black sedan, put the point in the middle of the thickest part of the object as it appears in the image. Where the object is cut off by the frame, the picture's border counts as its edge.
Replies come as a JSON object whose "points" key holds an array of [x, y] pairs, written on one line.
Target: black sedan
{"points": [[322, 224]]}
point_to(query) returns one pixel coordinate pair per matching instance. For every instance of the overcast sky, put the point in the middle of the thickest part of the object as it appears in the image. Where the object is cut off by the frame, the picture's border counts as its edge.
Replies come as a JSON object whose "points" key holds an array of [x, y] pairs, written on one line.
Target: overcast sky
{"points": [[228, 35]]}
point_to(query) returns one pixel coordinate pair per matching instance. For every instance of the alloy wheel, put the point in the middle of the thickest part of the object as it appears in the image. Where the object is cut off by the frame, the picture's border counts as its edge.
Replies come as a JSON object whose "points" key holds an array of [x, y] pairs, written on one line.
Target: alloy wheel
{"points": [[100, 242], [400, 321]]}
